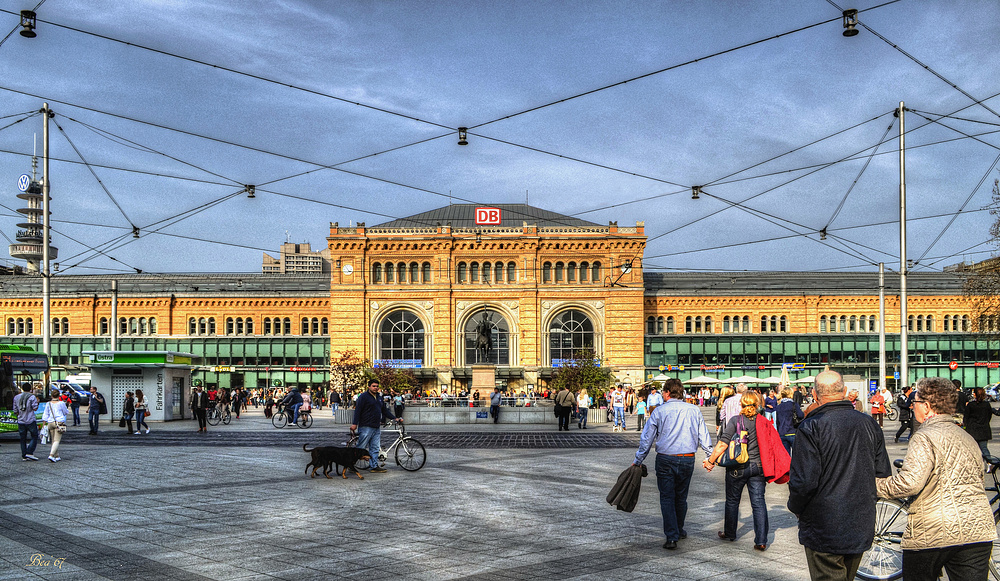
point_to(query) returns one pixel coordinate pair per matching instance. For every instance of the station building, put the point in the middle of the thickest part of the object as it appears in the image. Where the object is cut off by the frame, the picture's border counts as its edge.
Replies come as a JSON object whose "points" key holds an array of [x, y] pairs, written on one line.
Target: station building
{"points": [[504, 295]]}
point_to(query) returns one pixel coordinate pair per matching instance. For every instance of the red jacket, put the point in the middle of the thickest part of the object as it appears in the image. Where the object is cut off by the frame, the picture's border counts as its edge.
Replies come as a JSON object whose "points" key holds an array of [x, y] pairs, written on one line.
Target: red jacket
{"points": [[773, 457]]}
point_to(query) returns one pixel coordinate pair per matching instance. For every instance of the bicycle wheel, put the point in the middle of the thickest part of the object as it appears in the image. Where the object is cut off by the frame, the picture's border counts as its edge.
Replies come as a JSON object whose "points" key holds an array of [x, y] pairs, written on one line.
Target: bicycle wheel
{"points": [[305, 420], [227, 417], [890, 414], [279, 420], [213, 417], [360, 464], [884, 561], [410, 455]]}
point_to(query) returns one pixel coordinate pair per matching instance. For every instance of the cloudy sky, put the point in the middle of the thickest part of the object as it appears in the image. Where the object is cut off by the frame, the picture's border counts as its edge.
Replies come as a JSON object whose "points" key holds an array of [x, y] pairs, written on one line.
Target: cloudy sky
{"points": [[175, 105]]}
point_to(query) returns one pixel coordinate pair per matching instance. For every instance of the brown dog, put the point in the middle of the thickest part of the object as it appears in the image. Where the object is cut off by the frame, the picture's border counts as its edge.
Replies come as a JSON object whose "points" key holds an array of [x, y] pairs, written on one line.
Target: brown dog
{"points": [[328, 456]]}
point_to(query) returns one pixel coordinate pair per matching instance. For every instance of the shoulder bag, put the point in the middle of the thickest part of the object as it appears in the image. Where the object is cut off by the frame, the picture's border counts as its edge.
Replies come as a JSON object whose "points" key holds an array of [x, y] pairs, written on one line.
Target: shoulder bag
{"points": [[737, 453]]}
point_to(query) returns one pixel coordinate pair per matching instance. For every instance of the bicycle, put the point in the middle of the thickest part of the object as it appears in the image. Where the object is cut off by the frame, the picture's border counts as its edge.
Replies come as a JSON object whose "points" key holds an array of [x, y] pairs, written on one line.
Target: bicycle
{"points": [[884, 561], [891, 413], [282, 418], [410, 453], [218, 414]]}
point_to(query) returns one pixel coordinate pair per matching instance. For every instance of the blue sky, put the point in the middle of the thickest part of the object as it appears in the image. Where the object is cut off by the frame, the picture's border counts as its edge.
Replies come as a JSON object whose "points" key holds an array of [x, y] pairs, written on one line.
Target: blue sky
{"points": [[163, 133]]}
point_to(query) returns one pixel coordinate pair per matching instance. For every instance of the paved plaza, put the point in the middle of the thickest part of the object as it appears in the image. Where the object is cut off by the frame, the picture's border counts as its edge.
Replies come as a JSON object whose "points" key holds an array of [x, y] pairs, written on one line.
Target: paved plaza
{"points": [[516, 503]]}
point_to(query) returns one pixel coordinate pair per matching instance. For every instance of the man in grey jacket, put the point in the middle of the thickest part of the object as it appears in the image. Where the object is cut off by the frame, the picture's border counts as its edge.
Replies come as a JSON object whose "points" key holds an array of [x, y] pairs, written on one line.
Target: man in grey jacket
{"points": [[495, 404], [26, 405]]}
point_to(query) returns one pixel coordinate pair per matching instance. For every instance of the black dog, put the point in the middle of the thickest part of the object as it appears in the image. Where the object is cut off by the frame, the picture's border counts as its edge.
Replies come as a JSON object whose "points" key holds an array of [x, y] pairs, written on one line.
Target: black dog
{"points": [[328, 456]]}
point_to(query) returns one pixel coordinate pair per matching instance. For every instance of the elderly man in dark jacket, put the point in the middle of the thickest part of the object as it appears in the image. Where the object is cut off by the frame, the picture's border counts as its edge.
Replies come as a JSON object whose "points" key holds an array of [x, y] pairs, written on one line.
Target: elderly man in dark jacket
{"points": [[838, 454]]}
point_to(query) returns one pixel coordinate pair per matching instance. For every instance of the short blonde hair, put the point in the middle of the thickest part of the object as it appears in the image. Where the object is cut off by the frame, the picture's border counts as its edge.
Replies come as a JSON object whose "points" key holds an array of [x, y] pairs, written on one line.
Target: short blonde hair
{"points": [[749, 404]]}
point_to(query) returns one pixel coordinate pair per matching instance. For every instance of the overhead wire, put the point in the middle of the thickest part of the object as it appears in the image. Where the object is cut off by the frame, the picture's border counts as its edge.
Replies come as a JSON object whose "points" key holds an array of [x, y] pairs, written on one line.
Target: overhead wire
{"points": [[94, 173], [858, 177]]}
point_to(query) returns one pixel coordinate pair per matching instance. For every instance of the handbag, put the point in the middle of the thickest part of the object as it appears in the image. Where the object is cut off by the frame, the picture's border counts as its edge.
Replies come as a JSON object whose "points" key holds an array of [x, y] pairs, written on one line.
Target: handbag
{"points": [[146, 415], [737, 453], [121, 422], [61, 427]]}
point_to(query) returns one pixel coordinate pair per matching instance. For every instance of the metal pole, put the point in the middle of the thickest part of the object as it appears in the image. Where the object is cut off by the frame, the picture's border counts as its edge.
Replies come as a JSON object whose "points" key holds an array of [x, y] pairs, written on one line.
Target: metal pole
{"points": [[881, 326], [904, 353], [46, 314], [114, 315]]}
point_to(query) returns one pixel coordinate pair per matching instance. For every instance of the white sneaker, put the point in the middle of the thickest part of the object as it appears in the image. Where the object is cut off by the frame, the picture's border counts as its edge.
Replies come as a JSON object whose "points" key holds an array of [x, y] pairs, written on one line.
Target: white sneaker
{"points": [[135, 433], [51, 459], [147, 430], [31, 457]]}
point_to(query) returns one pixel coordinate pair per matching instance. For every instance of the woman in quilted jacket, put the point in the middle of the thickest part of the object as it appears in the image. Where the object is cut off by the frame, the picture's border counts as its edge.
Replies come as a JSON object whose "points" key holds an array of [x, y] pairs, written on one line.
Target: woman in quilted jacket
{"points": [[950, 524]]}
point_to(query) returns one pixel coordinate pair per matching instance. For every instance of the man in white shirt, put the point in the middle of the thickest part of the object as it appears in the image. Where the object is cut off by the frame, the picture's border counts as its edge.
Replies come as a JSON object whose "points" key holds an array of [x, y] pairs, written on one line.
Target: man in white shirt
{"points": [[653, 399]]}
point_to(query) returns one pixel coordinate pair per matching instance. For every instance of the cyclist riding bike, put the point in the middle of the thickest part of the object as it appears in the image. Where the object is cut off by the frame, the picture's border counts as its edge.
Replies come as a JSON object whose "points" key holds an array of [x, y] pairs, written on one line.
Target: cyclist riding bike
{"points": [[292, 402]]}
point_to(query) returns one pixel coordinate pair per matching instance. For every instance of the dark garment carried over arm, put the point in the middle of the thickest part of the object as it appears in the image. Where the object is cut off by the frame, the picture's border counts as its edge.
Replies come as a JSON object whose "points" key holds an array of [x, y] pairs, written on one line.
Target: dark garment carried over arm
{"points": [[625, 493]]}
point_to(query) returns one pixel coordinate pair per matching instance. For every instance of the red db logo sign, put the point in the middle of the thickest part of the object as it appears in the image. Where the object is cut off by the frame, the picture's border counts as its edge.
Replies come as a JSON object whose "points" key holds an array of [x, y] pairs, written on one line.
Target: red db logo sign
{"points": [[953, 365], [487, 216]]}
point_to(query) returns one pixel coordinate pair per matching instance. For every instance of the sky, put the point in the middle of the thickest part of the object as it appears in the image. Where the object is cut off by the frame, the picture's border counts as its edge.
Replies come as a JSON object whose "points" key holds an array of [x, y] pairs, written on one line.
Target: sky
{"points": [[348, 112]]}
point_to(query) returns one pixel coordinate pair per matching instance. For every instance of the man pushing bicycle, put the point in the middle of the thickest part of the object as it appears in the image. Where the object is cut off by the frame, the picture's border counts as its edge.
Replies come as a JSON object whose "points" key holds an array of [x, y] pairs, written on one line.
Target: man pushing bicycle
{"points": [[369, 410]]}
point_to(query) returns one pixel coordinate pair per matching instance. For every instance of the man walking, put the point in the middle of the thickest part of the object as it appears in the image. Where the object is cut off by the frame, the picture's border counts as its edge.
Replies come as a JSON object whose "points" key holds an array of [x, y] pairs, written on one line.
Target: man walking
{"points": [[334, 401], [654, 399], [199, 404], [618, 405], [495, 405], [904, 401], [95, 407], [839, 452], [677, 429], [26, 405], [368, 413]]}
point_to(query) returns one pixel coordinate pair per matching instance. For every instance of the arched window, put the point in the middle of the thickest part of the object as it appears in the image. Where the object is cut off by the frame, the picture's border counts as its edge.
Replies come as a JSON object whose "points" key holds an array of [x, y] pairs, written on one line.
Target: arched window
{"points": [[783, 324], [559, 272], [133, 326], [203, 327], [324, 326], [688, 325], [20, 326], [928, 324], [947, 323], [746, 324], [650, 325], [65, 323], [249, 323], [267, 325], [230, 327], [670, 325], [474, 272], [853, 328], [401, 338], [570, 333], [843, 323], [511, 272], [487, 267], [487, 339], [965, 323], [708, 325], [725, 324], [400, 273], [305, 327], [29, 325], [239, 326], [920, 322], [547, 272], [763, 324], [822, 324], [287, 326], [659, 325], [56, 326], [102, 328], [414, 273], [911, 323], [595, 272], [12, 329], [697, 324], [315, 326], [584, 272], [461, 272], [426, 277], [122, 326], [211, 325], [571, 272], [872, 324], [390, 272], [192, 326], [377, 273], [498, 272]]}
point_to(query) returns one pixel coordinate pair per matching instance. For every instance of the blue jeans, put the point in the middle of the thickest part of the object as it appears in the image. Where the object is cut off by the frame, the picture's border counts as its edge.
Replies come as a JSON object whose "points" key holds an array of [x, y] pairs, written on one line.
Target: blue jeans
{"points": [[619, 416], [333, 409], [787, 440], [295, 412], [94, 418], [753, 478], [583, 418], [673, 477], [370, 439], [25, 430], [140, 421], [76, 415]]}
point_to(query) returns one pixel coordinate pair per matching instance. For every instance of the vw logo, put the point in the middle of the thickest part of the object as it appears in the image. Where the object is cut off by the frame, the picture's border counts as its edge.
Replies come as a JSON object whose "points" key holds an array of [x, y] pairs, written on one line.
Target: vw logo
{"points": [[23, 182]]}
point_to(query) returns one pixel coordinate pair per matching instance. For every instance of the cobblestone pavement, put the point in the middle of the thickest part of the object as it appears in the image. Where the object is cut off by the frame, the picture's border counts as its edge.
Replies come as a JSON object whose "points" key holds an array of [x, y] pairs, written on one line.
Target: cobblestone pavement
{"points": [[234, 504]]}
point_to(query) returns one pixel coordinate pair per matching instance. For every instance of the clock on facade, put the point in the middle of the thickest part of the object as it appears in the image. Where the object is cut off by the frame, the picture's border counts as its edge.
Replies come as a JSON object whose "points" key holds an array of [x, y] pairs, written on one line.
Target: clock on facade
{"points": [[348, 269]]}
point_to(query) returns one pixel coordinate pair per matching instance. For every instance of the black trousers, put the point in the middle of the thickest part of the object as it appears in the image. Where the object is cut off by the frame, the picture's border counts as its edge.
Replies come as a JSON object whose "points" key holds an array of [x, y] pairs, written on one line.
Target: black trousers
{"points": [[962, 562], [564, 413], [200, 414], [904, 425], [832, 567]]}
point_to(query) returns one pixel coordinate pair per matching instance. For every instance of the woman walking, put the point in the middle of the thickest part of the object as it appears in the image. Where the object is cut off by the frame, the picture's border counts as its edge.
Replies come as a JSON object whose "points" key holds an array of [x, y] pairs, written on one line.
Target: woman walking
{"points": [[877, 401], [787, 417], [978, 414], [55, 422], [127, 411], [583, 408], [763, 449], [950, 524], [140, 411]]}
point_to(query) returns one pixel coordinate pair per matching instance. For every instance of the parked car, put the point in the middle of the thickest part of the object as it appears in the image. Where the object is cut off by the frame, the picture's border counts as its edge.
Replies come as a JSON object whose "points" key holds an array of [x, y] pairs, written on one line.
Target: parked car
{"points": [[84, 394], [993, 392]]}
